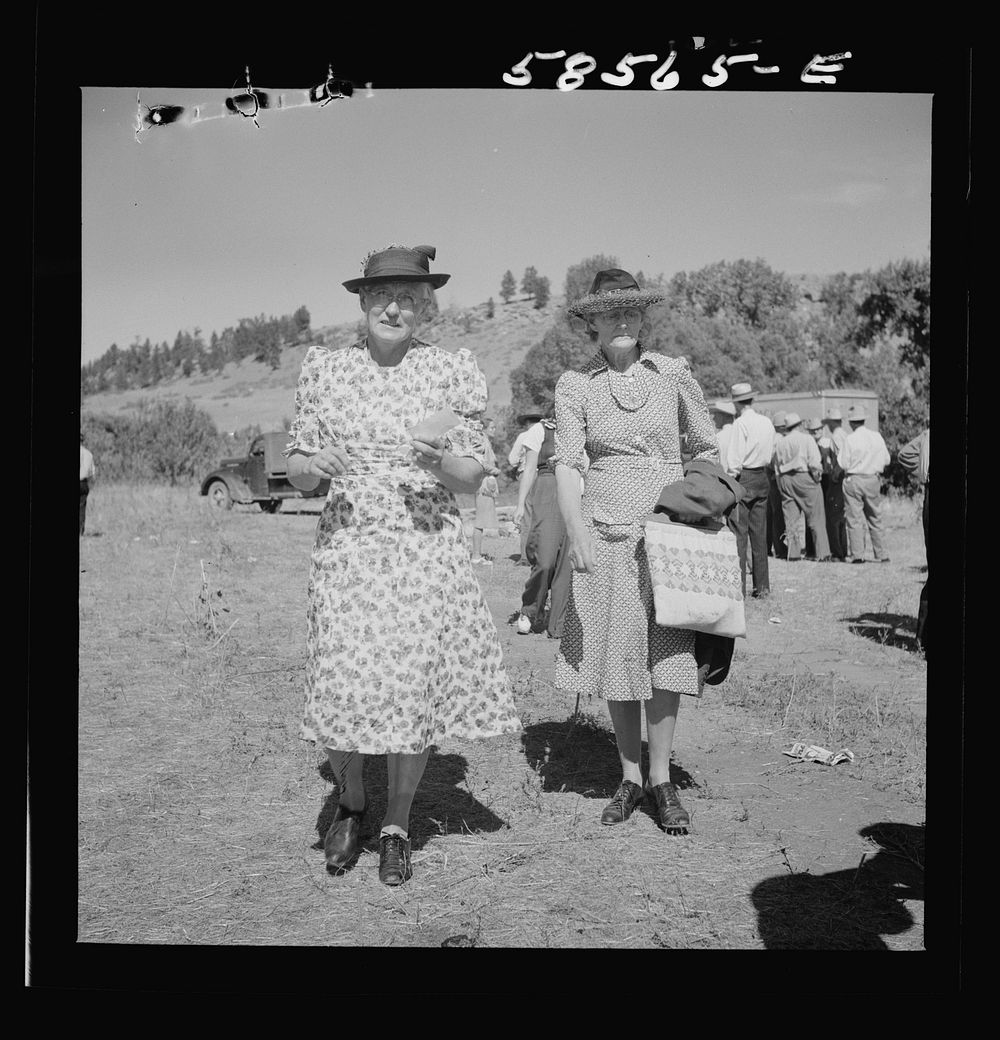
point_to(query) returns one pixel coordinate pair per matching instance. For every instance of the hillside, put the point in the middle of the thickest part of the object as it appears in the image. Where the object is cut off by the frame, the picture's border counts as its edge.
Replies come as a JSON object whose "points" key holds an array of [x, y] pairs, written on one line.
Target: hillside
{"points": [[249, 392]]}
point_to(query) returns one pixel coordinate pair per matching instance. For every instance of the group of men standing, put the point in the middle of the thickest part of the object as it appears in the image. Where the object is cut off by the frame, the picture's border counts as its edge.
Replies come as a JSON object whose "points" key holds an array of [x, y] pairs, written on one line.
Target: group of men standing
{"points": [[819, 478]]}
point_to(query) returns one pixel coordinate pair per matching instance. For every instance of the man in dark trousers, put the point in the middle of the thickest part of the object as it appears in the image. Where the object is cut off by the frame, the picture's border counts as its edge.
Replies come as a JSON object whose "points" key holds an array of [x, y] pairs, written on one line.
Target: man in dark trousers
{"points": [[915, 457], [751, 448], [87, 470], [833, 490], [776, 540]]}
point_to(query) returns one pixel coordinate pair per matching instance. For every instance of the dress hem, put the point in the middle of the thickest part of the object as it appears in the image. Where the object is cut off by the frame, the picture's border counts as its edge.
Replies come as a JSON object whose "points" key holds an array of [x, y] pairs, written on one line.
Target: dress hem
{"points": [[444, 741]]}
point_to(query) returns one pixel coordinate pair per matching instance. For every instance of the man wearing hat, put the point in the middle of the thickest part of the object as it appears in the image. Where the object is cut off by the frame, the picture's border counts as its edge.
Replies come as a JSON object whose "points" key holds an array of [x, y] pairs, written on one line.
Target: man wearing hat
{"points": [[833, 490], [776, 540], [751, 448], [862, 458], [915, 458], [798, 470], [834, 423], [723, 413], [529, 439]]}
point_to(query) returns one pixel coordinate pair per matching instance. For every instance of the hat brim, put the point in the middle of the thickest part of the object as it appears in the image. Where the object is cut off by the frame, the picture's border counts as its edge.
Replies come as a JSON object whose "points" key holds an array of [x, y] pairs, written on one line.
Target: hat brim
{"points": [[743, 397], [435, 281], [597, 303], [531, 417]]}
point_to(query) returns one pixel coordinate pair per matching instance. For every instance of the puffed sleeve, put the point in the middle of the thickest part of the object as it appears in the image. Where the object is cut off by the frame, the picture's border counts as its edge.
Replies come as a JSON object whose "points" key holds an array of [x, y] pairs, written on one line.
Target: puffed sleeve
{"points": [[571, 422], [467, 396], [692, 411], [304, 434]]}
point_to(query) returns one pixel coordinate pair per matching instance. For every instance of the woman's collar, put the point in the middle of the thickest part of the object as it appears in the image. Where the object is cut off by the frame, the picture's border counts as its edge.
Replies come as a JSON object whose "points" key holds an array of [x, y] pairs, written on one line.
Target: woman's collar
{"points": [[599, 363]]}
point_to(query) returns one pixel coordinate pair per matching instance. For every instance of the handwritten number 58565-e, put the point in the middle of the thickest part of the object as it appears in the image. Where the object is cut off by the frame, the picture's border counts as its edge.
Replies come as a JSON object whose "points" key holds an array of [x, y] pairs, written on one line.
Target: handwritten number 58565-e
{"points": [[580, 65]]}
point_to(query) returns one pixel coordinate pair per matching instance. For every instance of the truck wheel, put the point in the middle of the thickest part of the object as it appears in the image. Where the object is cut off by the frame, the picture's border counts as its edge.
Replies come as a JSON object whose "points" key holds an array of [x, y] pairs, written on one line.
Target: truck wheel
{"points": [[271, 505], [219, 496]]}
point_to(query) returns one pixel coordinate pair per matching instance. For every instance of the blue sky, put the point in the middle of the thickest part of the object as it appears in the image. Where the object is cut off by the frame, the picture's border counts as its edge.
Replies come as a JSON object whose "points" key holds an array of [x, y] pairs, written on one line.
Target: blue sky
{"points": [[200, 225]]}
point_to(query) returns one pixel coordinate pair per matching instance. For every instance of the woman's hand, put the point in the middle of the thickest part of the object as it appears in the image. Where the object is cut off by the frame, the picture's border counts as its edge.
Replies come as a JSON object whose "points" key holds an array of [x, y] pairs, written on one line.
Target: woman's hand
{"points": [[332, 461], [428, 454], [581, 550], [519, 515]]}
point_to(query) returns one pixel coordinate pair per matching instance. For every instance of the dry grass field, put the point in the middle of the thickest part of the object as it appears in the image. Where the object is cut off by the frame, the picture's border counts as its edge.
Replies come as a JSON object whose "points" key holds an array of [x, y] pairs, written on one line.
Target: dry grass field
{"points": [[200, 810]]}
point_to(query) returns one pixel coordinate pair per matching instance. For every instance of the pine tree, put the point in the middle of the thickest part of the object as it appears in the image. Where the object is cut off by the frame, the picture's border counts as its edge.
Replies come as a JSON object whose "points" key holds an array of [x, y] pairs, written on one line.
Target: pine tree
{"points": [[302, 320], [541, 292], [529, 281], [508, 287]]}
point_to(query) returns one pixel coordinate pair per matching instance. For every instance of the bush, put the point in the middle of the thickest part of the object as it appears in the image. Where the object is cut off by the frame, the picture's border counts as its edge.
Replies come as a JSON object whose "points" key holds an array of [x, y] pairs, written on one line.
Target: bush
{"points": [[163, 443]]}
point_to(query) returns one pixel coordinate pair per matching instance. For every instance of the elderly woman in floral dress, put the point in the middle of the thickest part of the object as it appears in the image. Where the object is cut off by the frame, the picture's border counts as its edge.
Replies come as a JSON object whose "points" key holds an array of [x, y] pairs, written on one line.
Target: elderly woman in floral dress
{"points": [[402, 651], [626, 410]]}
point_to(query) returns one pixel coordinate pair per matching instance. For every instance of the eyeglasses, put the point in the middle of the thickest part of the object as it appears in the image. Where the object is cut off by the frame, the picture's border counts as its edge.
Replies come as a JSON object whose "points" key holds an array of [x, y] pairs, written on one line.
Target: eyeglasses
{"points": [[615, 317], [382, 298]]}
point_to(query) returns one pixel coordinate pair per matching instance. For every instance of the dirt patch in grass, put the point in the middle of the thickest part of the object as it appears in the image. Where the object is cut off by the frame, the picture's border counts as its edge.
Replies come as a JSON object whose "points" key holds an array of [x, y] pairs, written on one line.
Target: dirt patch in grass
{"points": [[200, 810]]}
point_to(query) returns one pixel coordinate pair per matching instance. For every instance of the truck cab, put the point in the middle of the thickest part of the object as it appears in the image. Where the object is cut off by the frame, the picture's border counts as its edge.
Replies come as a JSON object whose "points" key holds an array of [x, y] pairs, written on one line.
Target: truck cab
{"points": [[260, 476]]}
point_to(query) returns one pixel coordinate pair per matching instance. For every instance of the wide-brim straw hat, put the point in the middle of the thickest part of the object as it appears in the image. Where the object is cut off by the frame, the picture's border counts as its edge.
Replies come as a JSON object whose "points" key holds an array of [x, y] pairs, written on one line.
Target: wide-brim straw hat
{"points": [[741, 392], [398, 264], [780, 419], [532, 417], [792, 419], [612, 289], [856, 414], [814, 424], [834, 413], [725, 407]]}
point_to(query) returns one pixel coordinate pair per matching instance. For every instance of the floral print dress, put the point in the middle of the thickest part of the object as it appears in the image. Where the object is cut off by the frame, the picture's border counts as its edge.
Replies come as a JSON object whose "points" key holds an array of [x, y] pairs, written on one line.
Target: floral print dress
{"points": [[631, 431], [402, 650]]}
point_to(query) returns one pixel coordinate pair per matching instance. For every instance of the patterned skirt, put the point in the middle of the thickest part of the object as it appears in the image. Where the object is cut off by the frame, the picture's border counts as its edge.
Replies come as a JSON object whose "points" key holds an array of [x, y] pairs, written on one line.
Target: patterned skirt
{"points": [[611, 644], [402, 650]]}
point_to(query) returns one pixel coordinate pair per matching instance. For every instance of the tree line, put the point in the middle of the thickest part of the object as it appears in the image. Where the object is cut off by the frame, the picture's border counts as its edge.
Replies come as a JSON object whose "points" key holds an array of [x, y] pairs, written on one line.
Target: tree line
{"points": [[742, 321], [146, 364]]}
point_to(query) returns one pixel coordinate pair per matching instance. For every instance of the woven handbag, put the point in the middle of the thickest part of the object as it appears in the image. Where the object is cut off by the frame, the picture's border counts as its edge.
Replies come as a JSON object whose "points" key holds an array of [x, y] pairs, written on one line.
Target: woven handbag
{"points": [[695, 571]]}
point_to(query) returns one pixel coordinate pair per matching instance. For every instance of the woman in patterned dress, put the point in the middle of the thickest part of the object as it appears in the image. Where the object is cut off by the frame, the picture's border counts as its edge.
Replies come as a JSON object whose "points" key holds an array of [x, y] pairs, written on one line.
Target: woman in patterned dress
{"points": [[402, 651], [626, 409]]}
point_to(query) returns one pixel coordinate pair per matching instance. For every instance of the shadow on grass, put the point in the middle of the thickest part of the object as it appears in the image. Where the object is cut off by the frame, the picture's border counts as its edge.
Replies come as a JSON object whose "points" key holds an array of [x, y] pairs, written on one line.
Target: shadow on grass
{"points": [[898, 630], [846, 909], [579, 755], [441, 797]]}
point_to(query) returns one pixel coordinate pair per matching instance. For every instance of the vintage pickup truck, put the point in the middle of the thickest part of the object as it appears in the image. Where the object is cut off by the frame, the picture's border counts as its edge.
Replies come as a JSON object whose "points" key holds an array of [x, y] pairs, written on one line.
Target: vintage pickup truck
{"points": [[260, 476]]}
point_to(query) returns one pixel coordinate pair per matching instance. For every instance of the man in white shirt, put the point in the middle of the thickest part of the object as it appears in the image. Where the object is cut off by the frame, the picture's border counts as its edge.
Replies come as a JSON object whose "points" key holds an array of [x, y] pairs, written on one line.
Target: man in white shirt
{"points": [[530, 438], [862, 458], [798, 469], [751, 448], [723, 413], [834, 423], [87, 470]]}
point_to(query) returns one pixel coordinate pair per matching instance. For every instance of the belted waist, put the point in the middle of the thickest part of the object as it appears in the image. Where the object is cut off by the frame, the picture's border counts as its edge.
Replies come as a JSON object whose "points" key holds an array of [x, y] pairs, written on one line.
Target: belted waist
{"points": [[391, 462], [632, 461], [753, 469]]}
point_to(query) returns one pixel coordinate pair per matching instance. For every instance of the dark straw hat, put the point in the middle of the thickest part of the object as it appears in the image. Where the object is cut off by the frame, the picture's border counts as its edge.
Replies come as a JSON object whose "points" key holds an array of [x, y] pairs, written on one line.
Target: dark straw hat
{"points": [[612, 289], [398, 264]]}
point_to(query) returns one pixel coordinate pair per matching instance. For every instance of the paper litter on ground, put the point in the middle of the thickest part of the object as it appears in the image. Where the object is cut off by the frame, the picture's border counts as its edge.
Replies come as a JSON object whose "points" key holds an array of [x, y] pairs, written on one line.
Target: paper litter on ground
{"points": [[814, 753]]}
